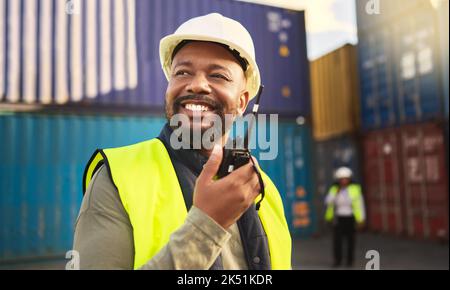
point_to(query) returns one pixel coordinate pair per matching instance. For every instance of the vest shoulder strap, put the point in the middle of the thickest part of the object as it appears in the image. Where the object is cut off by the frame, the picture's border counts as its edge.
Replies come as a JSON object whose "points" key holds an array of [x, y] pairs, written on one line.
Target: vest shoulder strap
{"points": [[127, 154]]}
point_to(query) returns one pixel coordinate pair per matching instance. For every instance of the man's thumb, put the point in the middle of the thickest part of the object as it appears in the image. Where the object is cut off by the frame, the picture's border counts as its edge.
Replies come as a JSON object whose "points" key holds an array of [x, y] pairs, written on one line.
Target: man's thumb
{"points": [[212, 165]]}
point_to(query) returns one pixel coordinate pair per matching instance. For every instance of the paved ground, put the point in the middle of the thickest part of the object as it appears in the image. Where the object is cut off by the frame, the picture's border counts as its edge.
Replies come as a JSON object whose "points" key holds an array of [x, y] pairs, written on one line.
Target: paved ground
{"points": [[315, 254], [41, 264], [395, 253]]}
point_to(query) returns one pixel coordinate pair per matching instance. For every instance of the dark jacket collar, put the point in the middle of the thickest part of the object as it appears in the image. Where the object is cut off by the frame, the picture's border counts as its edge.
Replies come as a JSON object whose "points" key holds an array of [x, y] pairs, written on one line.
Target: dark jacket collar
{"points": [[191, 158]]}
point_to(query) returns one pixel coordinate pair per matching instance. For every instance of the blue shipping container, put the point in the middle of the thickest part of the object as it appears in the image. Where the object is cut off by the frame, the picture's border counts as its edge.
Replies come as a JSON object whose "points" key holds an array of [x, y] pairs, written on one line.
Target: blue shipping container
{"points": [[106, 53], [42, 162], [43, 158], [291, 171], [400, 71], [372, 13], [443, 19]]}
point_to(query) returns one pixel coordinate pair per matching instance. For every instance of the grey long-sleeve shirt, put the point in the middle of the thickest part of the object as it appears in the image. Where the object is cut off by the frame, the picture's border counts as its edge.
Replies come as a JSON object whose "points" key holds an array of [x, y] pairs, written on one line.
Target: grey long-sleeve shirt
{"points": [[104, 236]]}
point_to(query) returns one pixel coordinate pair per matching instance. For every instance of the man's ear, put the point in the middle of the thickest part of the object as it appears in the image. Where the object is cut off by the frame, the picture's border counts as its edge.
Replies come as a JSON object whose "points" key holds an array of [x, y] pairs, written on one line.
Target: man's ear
{"points": [[244, 99]]}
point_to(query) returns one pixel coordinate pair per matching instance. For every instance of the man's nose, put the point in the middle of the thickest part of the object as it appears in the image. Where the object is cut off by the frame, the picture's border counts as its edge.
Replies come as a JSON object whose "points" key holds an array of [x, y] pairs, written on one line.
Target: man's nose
{"points": [[199, 85]]}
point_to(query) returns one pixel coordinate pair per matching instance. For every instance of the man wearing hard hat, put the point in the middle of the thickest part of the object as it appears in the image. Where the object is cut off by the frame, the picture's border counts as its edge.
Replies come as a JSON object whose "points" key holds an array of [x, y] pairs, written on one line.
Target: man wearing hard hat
{"points": [[345, 210], [152, 206]]}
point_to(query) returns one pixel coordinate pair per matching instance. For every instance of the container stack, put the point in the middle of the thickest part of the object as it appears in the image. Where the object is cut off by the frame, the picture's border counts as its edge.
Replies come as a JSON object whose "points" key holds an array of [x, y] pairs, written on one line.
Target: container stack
{"points": [[78, 78], [335, 116], [403, 69], [43, 158], [335, 95], [292, 174]]}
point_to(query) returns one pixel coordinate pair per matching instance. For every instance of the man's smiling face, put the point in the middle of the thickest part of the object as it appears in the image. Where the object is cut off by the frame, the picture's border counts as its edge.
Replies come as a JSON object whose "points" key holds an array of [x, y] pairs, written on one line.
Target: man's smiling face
{"points": [[205, 80]]}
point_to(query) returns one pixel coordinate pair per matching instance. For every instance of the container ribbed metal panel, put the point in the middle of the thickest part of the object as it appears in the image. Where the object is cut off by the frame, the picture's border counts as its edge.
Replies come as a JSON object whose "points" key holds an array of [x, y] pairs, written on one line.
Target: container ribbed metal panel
{"points": [[106, 52]]}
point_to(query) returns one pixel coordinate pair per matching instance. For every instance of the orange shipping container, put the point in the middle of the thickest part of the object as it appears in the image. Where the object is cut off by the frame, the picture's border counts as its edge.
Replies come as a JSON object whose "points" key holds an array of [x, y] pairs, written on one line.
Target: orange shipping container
{"points": [[335, 93]]}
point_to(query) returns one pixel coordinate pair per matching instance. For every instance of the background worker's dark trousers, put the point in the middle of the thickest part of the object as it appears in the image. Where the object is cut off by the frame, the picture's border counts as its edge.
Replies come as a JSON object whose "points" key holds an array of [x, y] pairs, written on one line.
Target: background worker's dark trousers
{"points": [[344, 232]]}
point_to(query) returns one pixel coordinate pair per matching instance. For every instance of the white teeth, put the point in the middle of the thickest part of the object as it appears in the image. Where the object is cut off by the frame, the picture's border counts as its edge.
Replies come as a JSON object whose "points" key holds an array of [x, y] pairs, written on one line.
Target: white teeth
{"points": [[194, 107]]}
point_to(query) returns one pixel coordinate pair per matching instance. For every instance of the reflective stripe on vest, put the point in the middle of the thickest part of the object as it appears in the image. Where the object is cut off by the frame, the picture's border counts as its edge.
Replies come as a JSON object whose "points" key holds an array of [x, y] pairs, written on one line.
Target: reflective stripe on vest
{"points": [[354, 192], [151, 195]]}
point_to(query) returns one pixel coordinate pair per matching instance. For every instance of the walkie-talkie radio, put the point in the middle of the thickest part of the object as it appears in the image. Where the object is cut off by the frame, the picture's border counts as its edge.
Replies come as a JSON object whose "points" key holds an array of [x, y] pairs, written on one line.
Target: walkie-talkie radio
{"points": [[234, 158]]}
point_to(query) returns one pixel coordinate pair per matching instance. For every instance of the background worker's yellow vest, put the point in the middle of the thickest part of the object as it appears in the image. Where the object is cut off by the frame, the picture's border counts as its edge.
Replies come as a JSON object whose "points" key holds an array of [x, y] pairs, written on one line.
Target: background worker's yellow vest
{"points": [[354, 192], [150, 192]]}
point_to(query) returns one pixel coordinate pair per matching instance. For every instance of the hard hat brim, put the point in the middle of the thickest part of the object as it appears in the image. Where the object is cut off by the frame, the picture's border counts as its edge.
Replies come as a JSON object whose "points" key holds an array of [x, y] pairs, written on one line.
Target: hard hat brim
{"points": [[168, 44]]}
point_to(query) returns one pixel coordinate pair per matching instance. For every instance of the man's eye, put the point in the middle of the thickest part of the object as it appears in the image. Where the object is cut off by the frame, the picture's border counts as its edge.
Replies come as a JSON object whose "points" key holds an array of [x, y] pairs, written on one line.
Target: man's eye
{"points": [[181, 73], [220, 76]]}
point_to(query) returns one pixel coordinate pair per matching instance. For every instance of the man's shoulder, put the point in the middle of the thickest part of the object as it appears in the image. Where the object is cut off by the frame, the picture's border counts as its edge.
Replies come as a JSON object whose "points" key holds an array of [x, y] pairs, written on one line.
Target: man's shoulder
{"points": [[102, 195], [135, 146]]}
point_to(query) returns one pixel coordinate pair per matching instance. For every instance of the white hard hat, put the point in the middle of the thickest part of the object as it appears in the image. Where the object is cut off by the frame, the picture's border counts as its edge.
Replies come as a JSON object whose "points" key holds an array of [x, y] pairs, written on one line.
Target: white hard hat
{"points": [[215, 28], [343, 172]]}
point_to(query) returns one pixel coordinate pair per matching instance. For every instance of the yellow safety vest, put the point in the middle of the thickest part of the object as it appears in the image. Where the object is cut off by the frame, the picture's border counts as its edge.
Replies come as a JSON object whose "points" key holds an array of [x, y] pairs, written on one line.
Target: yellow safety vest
{"points": [[151, 195], [354, 192]]}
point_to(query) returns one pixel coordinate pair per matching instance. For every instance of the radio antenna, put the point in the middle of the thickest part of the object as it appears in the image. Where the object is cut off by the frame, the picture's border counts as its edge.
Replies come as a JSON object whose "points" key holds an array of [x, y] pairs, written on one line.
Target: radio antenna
{"points": [[255, 114]]}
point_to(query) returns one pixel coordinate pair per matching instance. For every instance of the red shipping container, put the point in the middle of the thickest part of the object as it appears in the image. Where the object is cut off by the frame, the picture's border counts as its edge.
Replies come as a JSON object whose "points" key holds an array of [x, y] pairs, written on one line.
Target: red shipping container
{"points": [[382, 186], [425, 181], [406, 181]]}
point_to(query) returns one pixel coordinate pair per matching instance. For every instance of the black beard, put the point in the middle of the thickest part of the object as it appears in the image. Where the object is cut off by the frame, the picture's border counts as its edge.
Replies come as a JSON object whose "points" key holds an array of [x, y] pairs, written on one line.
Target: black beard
{"points": [[217, 108]]}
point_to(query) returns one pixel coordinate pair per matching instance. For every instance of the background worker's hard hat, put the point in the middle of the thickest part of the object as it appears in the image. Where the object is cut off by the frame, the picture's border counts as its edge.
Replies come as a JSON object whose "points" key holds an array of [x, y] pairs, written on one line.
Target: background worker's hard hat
{"points": [[343, 172], [215, 28]]}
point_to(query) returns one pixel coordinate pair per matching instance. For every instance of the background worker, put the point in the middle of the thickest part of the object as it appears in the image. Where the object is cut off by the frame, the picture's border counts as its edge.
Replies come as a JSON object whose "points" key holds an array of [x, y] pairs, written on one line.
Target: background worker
{"points": [[345, 211]]}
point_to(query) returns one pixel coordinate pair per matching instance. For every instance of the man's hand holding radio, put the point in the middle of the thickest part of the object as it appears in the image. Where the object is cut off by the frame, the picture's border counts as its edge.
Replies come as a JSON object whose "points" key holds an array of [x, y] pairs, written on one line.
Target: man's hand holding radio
{"points": [[225, 199]]}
